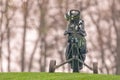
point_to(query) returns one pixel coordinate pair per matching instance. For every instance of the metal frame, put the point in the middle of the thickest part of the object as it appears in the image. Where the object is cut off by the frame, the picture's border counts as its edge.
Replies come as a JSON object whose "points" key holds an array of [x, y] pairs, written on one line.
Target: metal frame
{"points": [[75, 57]]}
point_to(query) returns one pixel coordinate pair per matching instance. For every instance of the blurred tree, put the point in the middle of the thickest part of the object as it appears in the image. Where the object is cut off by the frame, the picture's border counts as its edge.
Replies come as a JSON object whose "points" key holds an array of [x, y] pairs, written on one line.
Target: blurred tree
{"points": [[57, 38], [8, 29], [42, 4], [1, 35], [100, 36], [100, 20], [8, 33], [116, 19], [32, 54], [25, 15]]}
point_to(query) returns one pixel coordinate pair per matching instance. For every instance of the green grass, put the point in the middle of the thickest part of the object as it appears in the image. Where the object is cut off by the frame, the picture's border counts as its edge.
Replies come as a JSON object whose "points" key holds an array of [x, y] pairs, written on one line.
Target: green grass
{"points": [[56, 76]]}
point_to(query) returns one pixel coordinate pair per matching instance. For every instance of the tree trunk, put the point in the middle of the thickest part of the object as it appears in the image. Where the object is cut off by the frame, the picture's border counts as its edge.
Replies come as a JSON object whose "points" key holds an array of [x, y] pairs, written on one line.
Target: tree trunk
{"points": [[116, 18], [8, 46], [43, 55], [32, 55], [118, 54], [8, 35], [25, 9], [1, 39], [42, 34]]}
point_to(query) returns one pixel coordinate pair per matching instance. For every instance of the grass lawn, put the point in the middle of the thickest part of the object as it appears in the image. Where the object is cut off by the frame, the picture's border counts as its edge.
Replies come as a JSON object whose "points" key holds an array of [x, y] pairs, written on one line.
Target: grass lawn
{"points": [[56, 76]]}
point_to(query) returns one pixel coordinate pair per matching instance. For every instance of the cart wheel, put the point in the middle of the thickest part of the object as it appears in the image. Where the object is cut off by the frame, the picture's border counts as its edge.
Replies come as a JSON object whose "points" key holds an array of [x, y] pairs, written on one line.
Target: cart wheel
{"points": [[95, 68], [52, 66]]}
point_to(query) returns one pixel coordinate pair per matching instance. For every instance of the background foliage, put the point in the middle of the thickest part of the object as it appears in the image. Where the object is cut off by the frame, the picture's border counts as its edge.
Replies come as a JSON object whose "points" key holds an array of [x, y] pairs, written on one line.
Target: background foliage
{"points": [[31, 33]]}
